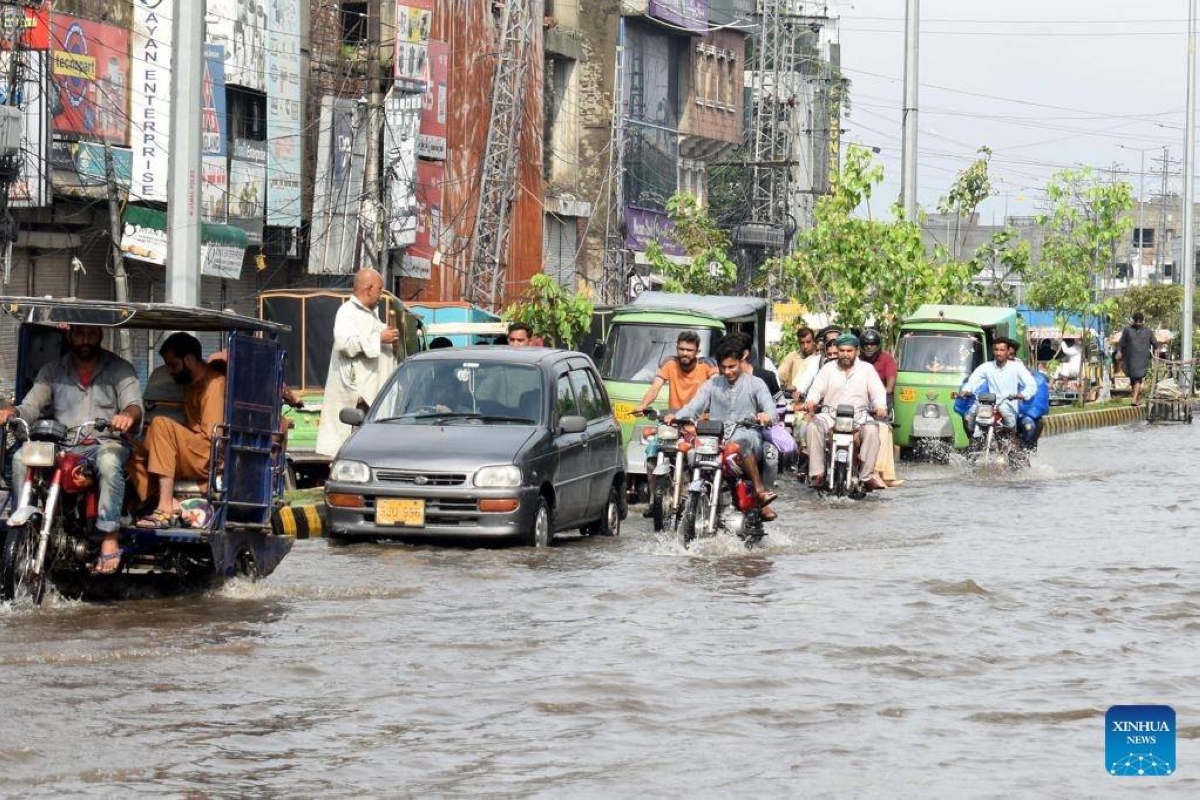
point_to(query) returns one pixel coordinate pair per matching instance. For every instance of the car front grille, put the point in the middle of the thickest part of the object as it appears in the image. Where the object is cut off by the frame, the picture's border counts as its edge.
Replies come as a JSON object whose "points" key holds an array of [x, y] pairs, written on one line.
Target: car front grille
{"points": [[421, 478]]}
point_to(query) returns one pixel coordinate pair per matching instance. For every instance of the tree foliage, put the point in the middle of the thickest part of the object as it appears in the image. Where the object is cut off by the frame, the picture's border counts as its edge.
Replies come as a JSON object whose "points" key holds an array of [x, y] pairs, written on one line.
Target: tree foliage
{"points": [[1161, 303], [1004, 259], [859, 269], [555, 314], [970, 188], [711, 270]]}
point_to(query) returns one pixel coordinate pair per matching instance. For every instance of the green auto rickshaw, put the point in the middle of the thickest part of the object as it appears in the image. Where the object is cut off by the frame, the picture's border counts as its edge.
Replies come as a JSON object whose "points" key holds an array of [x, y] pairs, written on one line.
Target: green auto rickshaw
{"points": [[938, 347]]}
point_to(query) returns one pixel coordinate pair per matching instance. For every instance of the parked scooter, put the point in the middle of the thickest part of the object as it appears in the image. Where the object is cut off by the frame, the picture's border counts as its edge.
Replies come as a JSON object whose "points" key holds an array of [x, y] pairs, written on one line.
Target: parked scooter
{"points": [[720, 497], [666, 449]]}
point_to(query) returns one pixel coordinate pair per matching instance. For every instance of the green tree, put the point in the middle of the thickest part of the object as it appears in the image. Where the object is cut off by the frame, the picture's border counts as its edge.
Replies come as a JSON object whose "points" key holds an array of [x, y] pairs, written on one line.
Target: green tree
{"points": [[711, 270], [555, 314], [970, 188], [1161, 303], [1086, 221], [860, 269], [1005, 259]]}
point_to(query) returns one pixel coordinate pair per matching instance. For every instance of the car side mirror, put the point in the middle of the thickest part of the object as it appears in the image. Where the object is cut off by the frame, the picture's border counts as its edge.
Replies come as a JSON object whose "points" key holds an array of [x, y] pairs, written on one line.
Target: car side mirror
{"points": [[352, 417], [598, 351], [572, 424]]}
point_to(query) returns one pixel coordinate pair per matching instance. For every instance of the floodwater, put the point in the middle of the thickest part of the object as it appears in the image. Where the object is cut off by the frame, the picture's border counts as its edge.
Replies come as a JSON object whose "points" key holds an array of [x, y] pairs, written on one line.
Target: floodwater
{"points": [[957, 637]]}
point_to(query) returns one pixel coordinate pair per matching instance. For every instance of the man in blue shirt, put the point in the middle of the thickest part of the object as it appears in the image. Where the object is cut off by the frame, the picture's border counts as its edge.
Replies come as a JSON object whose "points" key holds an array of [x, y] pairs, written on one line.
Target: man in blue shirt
{"points": [[1006, 377]]}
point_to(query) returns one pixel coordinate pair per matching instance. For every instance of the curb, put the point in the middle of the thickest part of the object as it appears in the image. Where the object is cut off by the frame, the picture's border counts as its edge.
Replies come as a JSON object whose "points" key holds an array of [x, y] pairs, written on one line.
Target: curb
{"points": [[1101, 418], [300, 522]]}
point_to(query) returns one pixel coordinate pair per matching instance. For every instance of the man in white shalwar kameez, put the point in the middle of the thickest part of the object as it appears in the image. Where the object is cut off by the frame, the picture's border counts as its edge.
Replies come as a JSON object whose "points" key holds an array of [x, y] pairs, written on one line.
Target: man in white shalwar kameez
{"points": [[363, 357]]}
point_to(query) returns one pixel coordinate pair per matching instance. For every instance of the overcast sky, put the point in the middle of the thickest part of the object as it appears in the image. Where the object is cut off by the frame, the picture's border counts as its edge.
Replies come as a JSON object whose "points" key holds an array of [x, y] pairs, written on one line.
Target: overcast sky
{"points": [[1046, 84]]}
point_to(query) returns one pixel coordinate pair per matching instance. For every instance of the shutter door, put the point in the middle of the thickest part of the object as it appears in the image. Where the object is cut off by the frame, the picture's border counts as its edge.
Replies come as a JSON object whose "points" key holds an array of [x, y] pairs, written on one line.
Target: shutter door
{"points": [[559, 245]]}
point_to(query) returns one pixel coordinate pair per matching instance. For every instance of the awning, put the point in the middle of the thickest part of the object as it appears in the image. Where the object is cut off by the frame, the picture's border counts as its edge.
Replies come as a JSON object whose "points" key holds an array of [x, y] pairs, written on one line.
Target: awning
{"points": [[222, 247]]}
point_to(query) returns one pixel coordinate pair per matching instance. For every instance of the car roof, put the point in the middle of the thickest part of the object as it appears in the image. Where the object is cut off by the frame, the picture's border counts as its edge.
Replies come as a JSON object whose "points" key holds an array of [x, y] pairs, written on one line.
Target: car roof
{"points": [[499, 354]]}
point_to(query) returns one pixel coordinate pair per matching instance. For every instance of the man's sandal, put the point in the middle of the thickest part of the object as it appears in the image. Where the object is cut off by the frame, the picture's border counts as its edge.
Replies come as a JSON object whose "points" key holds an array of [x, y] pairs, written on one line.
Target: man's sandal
{"points": [[158, 519], [104, 560]]}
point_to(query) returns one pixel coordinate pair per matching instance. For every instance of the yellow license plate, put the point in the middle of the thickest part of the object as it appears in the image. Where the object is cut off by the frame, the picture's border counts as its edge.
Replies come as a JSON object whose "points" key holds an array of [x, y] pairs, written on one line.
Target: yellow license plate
{"points": [[396, 511], [908, 395], [624, 411]]}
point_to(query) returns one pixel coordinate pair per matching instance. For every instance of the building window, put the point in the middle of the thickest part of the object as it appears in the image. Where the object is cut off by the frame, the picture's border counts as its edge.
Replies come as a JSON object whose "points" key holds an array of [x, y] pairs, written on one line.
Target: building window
{"points": [[1143, 237], [247, 114], [354, 22]]}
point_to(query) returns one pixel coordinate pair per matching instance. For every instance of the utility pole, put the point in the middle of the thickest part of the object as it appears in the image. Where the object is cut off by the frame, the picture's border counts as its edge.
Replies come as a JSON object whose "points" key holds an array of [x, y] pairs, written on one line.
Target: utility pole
{"points": [[372, 214], [908, 180], [1165, 173], [183, 172], [1189, 201], [120, 279], [1141, 201]]}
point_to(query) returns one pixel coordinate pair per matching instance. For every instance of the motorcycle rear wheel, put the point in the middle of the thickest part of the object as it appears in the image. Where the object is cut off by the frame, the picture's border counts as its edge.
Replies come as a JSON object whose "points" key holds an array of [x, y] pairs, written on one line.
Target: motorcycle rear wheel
{"points": [[16, 566]]}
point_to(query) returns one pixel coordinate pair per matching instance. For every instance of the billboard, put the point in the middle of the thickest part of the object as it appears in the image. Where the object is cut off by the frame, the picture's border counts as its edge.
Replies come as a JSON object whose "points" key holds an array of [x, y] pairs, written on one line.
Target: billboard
{"points": [[90, 66], [414, 19], [644, 225], [337, 187], [285, 112], [214, 148], [691, 15], [248, 187], [32, 185], [150, 100], [144, 237], [77, 168], [418, 259], [402, 112], [241, 27], [432, 140], [31, 26]]}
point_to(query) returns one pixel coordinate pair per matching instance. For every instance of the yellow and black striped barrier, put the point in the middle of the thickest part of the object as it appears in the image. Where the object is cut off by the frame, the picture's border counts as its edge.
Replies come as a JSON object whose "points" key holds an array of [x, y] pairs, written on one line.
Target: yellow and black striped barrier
{"points": [[1098, 418], [301, 522]]}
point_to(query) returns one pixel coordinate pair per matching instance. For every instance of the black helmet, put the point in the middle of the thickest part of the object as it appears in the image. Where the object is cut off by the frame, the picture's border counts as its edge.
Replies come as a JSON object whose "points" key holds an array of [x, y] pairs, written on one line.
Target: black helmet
{"points": [[870, 336]]}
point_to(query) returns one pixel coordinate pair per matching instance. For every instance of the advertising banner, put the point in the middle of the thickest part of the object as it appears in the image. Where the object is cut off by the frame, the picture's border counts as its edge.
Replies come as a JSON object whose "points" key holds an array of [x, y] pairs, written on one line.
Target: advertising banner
{"points": [[77, 169], [214, 191], [414, 19], [690, 15], [403, 113], [337, 188], [431, 143], [643, 226], [248, 187], [214, 167], [284, 115], [32, 185], [241, 26], [418, 259], [150, 100], [30, 24], [144, 237], [90, 67]]}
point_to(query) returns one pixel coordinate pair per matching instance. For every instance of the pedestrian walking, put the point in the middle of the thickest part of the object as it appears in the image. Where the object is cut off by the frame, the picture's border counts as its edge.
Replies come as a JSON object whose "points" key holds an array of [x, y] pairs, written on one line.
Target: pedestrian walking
{"points": [[1134, 350]]}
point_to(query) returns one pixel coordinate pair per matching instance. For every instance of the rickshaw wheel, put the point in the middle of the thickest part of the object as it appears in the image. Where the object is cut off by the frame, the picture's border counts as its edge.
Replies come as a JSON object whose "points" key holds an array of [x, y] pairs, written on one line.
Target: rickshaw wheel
{"points": [[246, 566]]}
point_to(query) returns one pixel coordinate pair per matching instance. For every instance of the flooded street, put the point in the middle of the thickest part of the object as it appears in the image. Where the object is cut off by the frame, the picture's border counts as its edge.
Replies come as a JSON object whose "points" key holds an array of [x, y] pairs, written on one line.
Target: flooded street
{"points": [[957, 636]]}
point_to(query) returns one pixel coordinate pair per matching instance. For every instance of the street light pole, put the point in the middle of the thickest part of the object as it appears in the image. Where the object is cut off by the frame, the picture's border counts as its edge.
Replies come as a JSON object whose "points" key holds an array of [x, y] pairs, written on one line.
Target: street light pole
{"points": [[1189, 197], [908, 162], [1141, 249]]}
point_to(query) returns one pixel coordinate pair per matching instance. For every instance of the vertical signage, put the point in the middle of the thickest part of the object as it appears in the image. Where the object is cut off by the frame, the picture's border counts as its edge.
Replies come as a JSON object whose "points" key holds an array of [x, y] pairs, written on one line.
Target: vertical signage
{"points": [[31, 187], [214, 165], [414, 19], [284, 114], [150, 101]]}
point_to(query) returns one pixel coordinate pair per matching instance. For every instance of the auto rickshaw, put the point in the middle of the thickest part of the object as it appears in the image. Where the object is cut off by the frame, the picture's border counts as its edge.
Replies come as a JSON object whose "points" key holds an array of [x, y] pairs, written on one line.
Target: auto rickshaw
{"points": [[49, 540]]}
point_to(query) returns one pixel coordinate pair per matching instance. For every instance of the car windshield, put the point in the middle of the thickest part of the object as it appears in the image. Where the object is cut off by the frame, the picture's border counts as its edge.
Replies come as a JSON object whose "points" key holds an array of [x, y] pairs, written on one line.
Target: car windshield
{"points": [[457, 391], [927, 351], [635, 352]]}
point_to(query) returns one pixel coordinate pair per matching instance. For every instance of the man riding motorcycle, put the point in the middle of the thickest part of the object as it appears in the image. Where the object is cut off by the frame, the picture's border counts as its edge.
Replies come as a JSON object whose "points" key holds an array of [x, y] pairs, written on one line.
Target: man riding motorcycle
{"points": [[733, 396], [684, 375], [846, 381], [1007, 378], [87, 384]]}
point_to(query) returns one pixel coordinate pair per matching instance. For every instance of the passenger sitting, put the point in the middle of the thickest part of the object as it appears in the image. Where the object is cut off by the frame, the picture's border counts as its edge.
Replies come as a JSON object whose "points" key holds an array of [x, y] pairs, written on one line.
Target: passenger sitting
{"points": [[163, 396], [172, 451]]}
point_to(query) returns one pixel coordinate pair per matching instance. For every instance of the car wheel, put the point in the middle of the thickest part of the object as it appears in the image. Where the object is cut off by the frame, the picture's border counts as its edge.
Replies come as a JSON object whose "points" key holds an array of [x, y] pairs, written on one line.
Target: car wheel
{"points": [[542, 533], [610, 523]]}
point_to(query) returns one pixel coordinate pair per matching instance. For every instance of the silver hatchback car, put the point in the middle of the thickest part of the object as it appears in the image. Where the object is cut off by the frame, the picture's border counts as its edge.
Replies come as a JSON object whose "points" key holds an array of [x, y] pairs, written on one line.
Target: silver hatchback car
{"points": [[481, 442]]}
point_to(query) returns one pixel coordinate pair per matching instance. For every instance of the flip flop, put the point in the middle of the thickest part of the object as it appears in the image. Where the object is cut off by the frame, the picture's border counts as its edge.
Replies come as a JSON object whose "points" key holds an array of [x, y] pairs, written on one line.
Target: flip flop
{"points": [[158, 519], [768, 515], [108, 558], [766, 498]]}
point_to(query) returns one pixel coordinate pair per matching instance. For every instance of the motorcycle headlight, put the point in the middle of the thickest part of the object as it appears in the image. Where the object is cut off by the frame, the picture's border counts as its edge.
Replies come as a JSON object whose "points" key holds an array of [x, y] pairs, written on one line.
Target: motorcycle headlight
{"points": [[345, 471], [507, 476], [668, 433], [985, 413], [844, 425], [37, 454], [708, 446]]}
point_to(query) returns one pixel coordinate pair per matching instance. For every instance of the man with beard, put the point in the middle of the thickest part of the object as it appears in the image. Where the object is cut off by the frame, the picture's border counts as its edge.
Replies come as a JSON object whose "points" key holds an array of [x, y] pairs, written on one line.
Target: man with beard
{"points": [[173, 451], [846, 381], [86, 384]]}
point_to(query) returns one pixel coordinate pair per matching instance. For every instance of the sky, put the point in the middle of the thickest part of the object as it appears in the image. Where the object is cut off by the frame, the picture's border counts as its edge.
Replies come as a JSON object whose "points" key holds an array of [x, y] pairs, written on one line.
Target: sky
{"points": [[1047, 84]]}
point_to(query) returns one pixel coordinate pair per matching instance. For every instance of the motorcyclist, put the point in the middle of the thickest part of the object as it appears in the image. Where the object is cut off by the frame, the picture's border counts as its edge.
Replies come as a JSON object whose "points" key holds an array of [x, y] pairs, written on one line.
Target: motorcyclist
{"points": [[86, 384], [684, 375], [1007, 378], [847, 381], [873, 353], [732, 397], [1032, 411]]}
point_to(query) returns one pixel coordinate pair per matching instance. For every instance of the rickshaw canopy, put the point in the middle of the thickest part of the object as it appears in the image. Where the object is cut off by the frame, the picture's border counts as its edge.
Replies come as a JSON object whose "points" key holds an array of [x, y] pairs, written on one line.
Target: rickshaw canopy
{"points": [[51, 312]]}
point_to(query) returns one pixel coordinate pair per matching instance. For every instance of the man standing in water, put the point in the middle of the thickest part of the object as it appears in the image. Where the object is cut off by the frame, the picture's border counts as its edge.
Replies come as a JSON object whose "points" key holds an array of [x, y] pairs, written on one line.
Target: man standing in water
{"points": [[362, 359], [1137, 343]]}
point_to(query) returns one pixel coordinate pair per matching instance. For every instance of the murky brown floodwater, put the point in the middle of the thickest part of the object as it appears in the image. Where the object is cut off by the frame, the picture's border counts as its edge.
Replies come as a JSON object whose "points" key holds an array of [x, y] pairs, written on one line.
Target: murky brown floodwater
{"points": [[953, 637]]}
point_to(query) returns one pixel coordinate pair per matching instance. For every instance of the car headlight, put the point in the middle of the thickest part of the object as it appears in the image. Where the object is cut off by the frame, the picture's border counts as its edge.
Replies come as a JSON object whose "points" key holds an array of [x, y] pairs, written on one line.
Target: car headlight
{"points": [[505, 477], [344, 471]]}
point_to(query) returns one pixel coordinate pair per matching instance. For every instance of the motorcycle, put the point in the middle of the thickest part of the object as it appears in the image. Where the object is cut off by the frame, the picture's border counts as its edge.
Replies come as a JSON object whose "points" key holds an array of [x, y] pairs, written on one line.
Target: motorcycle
{"points": [[666, 449], [720, 496], [843, 478], [51, 528], [993, 445]]}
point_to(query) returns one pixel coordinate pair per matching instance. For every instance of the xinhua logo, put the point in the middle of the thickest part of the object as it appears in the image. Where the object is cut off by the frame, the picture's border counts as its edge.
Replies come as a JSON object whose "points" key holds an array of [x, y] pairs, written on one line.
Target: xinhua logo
{"points": [[1139, 741]]}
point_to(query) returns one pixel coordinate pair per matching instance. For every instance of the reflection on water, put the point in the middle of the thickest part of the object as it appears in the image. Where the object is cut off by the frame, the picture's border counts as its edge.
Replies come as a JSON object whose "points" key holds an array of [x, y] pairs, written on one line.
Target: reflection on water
{"points": [[959, 632]]}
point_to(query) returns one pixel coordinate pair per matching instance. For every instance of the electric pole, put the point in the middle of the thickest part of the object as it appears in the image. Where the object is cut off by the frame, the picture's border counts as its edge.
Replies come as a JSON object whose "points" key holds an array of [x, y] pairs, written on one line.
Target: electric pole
{"points": [[908, 180], [1189, 202], [1165, 173], [372, 214], [183, 172], [120, 279]]}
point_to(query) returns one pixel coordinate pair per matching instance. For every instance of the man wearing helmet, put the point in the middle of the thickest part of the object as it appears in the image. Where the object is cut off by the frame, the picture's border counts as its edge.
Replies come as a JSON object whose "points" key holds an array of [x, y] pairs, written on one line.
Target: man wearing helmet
{"points": [[873, 353]]}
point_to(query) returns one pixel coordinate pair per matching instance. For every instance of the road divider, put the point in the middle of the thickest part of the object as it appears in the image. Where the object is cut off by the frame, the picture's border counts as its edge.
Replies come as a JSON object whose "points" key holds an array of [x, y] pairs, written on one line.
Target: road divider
{"points": [[1098, 418], [301, 522]]}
